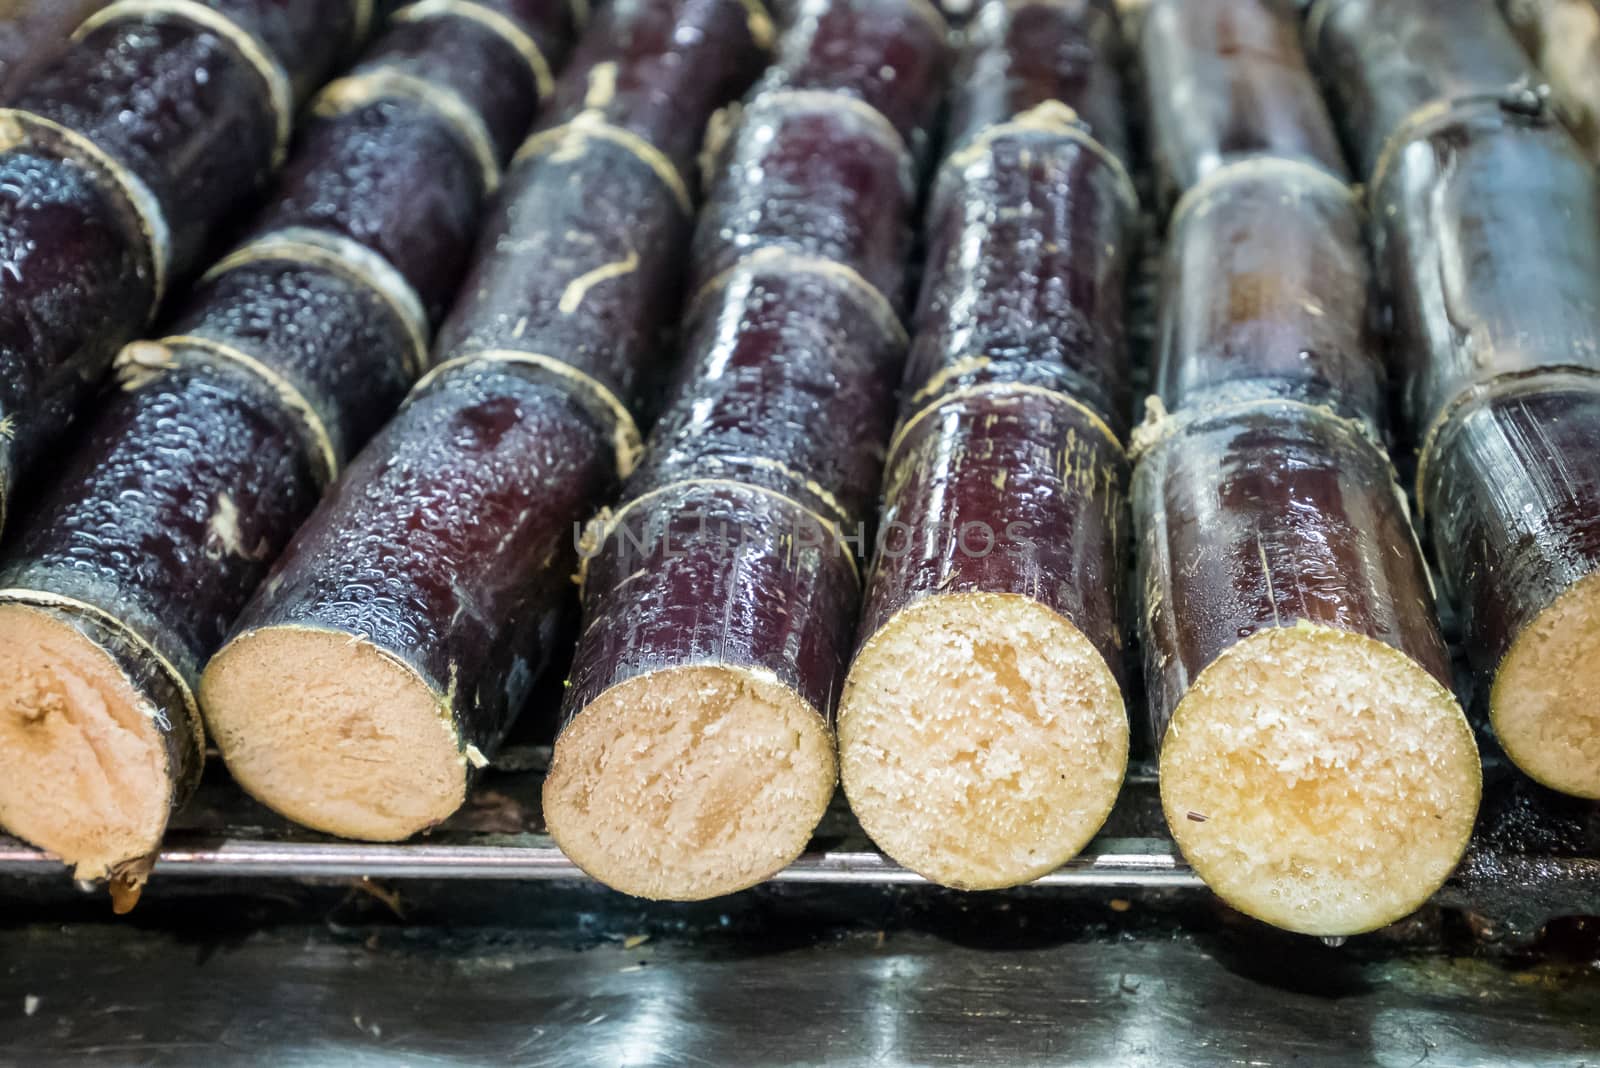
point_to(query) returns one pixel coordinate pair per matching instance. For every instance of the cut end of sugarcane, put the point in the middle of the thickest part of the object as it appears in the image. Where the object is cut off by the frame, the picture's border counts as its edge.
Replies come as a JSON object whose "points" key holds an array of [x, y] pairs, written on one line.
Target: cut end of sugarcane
{"points": [[690, 783], [332, 732], [1320, 780], [1545, 702], [982, 740], [84, 769]]}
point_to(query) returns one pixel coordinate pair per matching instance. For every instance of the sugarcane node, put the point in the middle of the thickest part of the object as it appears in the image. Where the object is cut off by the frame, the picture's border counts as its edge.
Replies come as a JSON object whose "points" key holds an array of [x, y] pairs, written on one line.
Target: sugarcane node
{"points": [[908, 426], [360, 90], [1262, 167], [1018, 56], [1434, 116], [1458, 317], [803, 101], [319, 442], [1385, 64], [1050, 120], [569, 139], [133, 199], [341, 255], [776, 260], [274, 77], [495, 22], [606, 523]]}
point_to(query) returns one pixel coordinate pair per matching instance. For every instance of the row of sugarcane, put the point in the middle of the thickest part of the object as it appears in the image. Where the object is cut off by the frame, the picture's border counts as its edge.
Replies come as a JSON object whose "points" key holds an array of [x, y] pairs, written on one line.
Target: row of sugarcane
{"points": [[356, 627]]}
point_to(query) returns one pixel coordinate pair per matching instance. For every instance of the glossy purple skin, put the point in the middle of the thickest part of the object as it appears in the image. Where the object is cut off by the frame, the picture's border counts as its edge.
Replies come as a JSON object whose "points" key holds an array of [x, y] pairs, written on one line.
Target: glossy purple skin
{"points": [[348, 363], [77, 289], [589, 204], [1268, 515], [1019, 55], [186, 488], [1228, 80], [450, 541], [478, 65], [561, 217], [1455, 211], [890, 54], [1266, 292], [309, 39], [1028, 251], [814, 179], [1510, 489], [721, 574], [1006, 492], [81, 286], [1381, 60], [676, 62], [394, 177], [787, 381], [203, 146], [786, 398], [170, 509]]}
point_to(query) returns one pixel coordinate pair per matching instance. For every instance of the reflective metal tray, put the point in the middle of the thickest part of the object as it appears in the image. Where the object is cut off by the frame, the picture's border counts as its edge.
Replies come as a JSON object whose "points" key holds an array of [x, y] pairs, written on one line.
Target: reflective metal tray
{"points": [[1535, 855]]}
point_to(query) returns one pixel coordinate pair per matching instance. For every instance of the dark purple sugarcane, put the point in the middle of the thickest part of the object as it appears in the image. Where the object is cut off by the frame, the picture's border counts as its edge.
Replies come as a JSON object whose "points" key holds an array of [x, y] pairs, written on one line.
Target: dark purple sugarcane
{"points": [[1266, 281], [1292, 658], [1389, 63], [119, 161], [1487, 231], [1511, 489], [1267, 292], [1029, 239], [448, 547], [892, 61], [1053, 528], [787, 358], [1227, 81], [857, 175], [1021, 54], [729, 547], [1030, 234], [1005, 484], [287, 356], [1315, 767], [1450, 209], [1231, 545]]}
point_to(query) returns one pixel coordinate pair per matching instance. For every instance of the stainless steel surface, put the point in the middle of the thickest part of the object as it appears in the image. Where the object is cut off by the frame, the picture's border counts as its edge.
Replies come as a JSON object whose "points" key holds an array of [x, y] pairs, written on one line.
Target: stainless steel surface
{"points": [[308, 996], [1536, 856], [1125, 864]]}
